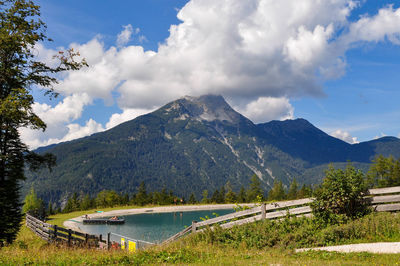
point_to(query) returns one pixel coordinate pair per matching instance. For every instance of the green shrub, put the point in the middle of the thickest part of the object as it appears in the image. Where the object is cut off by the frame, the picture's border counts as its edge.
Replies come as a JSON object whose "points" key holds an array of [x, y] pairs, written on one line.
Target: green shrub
{"points": [[303, 232], [341, 196]]}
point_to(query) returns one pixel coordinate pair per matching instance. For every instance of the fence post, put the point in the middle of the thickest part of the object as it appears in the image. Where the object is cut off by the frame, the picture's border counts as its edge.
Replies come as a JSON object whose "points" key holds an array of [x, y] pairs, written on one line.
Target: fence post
{"points": [[194, 226], [86, 239], [263, 211], [69, 237], [108, 240], [55, 233]]}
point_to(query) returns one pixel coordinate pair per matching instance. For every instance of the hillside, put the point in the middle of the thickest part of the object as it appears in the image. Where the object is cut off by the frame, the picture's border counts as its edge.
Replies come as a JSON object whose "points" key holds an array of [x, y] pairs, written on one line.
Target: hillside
{"points": [[193, 144]]}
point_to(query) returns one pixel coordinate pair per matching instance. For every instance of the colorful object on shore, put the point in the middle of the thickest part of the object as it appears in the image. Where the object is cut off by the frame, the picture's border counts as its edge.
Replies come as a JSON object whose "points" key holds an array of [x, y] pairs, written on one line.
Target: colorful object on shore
{"points": [[131, 246], [99, 211], [122, 243]]}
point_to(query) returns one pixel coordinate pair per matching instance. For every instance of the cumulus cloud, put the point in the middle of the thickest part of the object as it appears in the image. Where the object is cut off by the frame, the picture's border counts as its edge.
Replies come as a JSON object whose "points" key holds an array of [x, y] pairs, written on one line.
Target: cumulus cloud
{"points": [[125, 36], [58, 120], [239, 49], [345, 136], [265, 109], [126, 115], [260, 52]]}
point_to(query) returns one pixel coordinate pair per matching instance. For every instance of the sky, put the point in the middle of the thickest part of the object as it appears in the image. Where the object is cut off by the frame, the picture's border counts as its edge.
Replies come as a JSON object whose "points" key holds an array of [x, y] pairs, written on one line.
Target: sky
{"points": [[335, 63]]}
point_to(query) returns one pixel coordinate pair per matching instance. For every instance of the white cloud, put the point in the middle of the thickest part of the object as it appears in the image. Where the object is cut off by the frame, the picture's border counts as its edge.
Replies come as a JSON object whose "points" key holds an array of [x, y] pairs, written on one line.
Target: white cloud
{"points": [[250, 49], [57, 118], [76, 131], [125, 36], [265, 109], [380, 136], [126, 115], [257, 53], [345, 136]]}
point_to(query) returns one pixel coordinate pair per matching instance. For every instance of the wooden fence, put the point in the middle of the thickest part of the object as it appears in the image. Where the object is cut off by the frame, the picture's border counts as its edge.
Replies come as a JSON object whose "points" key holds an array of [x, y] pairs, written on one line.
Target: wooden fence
{"points": [[57, 234], [381, 199]]}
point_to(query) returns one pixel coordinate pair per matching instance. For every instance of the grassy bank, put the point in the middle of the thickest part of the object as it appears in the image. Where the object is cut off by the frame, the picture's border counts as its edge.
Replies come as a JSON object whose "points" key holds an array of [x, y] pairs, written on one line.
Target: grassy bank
{"points": [[244, 245], [29, 250]]}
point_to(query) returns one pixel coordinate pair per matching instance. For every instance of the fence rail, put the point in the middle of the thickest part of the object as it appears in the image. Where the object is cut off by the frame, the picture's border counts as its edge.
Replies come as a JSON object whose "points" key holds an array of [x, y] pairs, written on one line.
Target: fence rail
{"points": [[378, 198], [56, 234]]}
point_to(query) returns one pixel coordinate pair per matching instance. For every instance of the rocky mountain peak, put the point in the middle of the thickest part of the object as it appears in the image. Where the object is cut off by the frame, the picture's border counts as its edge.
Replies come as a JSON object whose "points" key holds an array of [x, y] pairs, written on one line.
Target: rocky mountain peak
{"points": [[206, 108]]}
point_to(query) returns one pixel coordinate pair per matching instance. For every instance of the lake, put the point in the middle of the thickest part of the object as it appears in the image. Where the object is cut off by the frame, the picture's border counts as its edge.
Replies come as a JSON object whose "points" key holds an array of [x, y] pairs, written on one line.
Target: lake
{"points": [[152, 227]]}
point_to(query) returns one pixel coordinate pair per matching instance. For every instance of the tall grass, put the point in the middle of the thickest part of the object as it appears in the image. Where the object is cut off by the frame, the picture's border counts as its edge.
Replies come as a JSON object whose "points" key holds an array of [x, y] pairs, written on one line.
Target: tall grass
{"points": [[304, 232], [259, 243]]}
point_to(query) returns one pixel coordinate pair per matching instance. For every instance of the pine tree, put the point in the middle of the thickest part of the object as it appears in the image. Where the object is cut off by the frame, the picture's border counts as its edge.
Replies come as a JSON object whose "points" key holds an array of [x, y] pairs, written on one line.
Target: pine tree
{"points": [[277, 192], [242, 195], [192, 199], [255, 190], [293, 190], [21, 29], [215, 196], [230, 195], [34, 205], [205, 198]]}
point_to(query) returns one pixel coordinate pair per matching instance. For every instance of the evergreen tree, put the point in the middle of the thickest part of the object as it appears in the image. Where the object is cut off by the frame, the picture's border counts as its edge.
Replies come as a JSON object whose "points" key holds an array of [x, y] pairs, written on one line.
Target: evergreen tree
{"points": [[293, 190], [34, 205], [230, 195], [87, 203], [205, 198], [50, 209], [221, 198], [141, 197], [242, 195], [277, 192], [384, 172], [255, 190], [21, 29], [192, 199], [215, 196], [305, 192]]}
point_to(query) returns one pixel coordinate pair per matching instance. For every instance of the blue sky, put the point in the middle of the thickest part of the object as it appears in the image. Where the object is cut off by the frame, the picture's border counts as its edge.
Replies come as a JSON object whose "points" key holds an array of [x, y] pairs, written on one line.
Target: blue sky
{"points": [[334, 63]]}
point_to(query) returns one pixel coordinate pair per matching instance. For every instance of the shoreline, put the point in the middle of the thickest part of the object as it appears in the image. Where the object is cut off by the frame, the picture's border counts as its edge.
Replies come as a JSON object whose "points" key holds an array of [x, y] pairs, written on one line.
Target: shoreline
{"points": [[74, 223]]}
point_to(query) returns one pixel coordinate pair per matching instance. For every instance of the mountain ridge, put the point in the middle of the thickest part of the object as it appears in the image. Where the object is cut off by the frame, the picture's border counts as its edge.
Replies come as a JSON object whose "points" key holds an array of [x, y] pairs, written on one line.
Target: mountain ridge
{"points": [[192, 144]]}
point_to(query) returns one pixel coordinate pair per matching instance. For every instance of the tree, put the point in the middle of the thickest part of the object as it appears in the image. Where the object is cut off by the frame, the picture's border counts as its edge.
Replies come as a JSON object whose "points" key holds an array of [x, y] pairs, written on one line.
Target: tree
{"points": [[384, 172], [21, 29], [305, 192], [230, 196], [205, 198], [341, 195], [292, 192], [34, 205], [87, 203], [215, 196], [255, 190], [192, 199], [242, 195], [141, 197], [277, 192]]}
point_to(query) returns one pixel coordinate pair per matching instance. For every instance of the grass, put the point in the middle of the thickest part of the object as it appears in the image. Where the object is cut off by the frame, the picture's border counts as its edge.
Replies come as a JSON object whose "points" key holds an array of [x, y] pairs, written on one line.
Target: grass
{"points": [[29, 250], [199, 249]]}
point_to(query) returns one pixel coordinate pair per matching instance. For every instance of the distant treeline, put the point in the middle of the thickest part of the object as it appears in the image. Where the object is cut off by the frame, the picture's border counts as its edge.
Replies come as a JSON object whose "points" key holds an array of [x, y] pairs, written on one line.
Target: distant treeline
{"points": [[383, 172], [110, 198]]}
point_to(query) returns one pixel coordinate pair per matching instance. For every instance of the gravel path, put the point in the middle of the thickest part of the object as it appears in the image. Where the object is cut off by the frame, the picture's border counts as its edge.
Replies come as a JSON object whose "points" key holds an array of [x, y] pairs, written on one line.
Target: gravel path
{"points": [[382, 247]]}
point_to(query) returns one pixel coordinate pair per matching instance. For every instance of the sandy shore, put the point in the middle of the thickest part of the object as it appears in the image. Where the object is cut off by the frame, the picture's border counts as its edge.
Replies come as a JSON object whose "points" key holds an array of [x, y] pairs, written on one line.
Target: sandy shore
{"points": [[74, 223]]}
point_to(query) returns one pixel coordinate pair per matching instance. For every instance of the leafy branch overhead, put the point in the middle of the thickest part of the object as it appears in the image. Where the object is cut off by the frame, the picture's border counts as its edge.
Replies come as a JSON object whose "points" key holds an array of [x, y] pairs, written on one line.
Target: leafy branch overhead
{"points": [[21, 29]]}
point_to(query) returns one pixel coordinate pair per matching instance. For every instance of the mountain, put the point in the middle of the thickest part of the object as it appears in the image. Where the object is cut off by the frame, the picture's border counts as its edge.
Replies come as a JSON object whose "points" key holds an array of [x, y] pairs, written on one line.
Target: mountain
{"points": [[296, 137], [193, 144]]}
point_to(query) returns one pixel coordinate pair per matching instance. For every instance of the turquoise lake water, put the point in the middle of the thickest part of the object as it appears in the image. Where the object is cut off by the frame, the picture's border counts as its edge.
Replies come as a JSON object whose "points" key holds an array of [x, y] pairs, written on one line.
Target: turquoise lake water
{"points": [[152, 227]]}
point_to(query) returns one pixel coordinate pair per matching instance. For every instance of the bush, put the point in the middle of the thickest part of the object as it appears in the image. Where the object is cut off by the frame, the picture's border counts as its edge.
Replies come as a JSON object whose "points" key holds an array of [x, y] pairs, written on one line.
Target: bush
{"points": [[341, 196], [298, 232]]}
